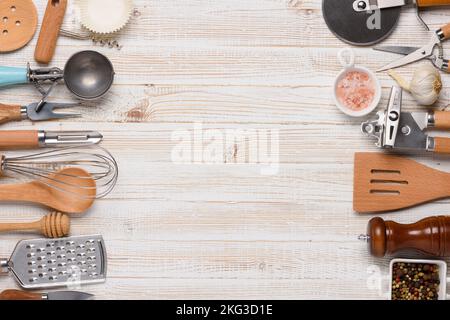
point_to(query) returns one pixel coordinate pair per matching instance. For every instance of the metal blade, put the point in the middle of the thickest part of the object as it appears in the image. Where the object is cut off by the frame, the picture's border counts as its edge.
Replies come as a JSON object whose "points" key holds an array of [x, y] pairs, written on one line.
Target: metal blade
{"points": [[422, 53], [367, 5], [359, 28], [69, 295], [66, 138], [410, 135], [421, 119], [383, 4], [397, 49], [393, 117]]}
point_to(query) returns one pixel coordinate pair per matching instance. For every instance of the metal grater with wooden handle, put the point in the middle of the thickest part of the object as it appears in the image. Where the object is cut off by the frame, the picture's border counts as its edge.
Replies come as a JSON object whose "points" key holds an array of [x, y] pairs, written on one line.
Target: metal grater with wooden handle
{"points": [[52, 263], [430, 236]]}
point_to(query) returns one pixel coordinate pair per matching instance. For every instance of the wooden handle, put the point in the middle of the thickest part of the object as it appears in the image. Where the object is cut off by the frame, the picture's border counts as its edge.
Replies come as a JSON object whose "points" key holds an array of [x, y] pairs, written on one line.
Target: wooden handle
{"points": [[442, 145], [10, 113], [430, 236], [48, 36], [442, 120], [19, 295], [432, 3], [5, 227], [25, 139], [53, 225], [446, 31], [76, 194], [32, 192]]}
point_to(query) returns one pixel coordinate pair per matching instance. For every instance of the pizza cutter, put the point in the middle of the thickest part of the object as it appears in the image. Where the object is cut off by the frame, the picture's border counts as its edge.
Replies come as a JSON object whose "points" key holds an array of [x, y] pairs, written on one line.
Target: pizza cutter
{"points": [[359, 23]]}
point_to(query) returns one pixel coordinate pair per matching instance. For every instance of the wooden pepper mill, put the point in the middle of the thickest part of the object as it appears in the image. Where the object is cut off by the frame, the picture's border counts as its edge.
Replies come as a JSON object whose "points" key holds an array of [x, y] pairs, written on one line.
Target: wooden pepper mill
{"points": [[430, 236]]}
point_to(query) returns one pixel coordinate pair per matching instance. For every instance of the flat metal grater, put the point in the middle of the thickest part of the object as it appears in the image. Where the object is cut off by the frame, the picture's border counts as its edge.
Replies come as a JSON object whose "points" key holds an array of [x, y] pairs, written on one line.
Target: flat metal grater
{"points": [[49, 263]]}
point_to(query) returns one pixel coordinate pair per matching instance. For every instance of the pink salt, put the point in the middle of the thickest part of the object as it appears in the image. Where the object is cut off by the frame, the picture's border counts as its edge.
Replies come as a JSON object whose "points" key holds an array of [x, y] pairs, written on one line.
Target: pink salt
{"points": [[356, 90]]}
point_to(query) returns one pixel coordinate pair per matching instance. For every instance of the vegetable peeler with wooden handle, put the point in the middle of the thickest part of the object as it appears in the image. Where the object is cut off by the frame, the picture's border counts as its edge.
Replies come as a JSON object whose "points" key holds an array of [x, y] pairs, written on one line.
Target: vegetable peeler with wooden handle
{"points": [[395, 129], [34, 139]]}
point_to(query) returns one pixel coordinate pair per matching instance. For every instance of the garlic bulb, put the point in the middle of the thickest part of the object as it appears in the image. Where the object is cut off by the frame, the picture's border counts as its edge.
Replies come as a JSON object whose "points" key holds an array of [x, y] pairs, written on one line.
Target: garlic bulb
{"points": [[425, 86]]}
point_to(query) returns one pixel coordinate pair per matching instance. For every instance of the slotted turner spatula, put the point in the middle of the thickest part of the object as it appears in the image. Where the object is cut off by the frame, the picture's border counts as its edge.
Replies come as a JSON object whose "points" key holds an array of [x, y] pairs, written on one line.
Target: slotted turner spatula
{"points": [[44, 263], [387, 183]]}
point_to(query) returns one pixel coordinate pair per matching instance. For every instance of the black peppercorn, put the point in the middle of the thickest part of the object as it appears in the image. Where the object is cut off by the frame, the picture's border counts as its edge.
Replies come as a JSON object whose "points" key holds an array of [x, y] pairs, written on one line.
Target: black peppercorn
{"points": [[415, 281]]}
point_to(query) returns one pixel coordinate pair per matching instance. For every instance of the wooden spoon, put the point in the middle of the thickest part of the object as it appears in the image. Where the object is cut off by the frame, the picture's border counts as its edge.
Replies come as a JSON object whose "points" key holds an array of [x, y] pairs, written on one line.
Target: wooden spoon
{"points": [[73, 191], [53, 225]]}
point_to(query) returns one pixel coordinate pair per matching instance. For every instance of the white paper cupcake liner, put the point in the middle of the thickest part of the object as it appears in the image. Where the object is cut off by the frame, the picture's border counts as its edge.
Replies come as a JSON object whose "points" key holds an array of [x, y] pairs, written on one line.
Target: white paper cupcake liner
{"points": [[105, 16]]}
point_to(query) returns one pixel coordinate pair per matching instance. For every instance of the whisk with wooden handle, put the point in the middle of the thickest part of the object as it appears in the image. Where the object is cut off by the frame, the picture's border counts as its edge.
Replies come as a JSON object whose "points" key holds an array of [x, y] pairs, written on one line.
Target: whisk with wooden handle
{"points": [[48, 168], [53, 225]]}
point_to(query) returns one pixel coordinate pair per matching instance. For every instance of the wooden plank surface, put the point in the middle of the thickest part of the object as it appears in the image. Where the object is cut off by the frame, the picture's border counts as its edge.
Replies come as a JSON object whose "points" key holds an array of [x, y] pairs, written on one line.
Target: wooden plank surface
{"points": [[227, 230]]}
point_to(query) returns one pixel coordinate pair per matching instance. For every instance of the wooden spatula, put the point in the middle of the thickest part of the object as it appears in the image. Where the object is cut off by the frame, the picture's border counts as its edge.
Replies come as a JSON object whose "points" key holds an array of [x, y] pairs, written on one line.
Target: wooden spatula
{"points": [[387, 183]]}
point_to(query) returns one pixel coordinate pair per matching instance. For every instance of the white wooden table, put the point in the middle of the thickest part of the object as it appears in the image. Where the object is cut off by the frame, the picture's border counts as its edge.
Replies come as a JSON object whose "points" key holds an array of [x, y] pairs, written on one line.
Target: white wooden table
{"points": [[227, 230]]}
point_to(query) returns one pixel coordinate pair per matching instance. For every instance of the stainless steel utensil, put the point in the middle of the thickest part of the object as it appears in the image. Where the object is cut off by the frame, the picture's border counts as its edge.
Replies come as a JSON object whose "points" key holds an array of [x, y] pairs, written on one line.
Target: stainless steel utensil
{"points": [[58, 295], [433, 51], [404, 130], [32, 139], [44, 263], [47, 167], [87, 74], [102, 40], [10, 113]]}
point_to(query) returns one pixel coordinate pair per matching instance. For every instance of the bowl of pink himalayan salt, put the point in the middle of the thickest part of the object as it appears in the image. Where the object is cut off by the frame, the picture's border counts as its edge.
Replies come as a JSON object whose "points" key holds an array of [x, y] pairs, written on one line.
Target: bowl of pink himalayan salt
{"points": [[357, 91]]}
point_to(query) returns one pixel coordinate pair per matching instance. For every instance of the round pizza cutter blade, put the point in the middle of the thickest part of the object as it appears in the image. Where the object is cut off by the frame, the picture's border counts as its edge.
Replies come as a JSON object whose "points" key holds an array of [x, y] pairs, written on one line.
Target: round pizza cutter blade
{"points": [[359, 28]]}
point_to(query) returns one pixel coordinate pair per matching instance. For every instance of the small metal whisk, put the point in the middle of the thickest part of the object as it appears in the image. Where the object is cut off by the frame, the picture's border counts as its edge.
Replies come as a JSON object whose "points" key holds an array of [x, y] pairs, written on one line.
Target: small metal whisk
{"points": [[48, 167]]}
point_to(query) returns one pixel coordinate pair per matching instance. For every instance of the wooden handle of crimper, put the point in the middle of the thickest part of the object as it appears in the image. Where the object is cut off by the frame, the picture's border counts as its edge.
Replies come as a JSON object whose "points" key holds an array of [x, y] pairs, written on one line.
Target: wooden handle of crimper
{"points": [[442, 120], [432, 3], [22, 139], [442, 145], [48, 36], [446, 31], [19, 295], [10, 113]]}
